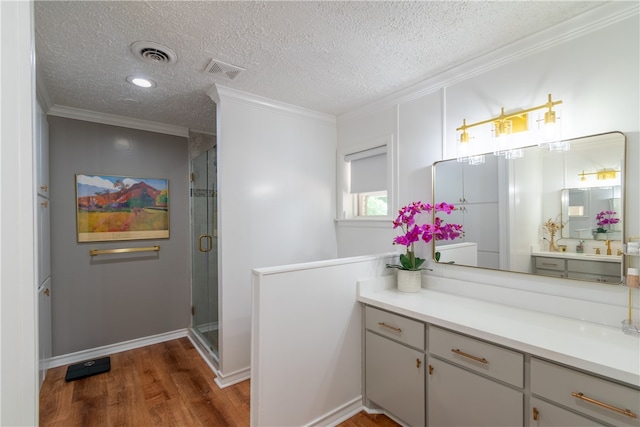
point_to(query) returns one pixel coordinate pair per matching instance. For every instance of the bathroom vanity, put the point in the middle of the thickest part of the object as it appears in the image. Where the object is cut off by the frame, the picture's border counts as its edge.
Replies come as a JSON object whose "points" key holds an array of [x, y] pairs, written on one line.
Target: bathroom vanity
{"points": [[438, 359], [589, 267]]}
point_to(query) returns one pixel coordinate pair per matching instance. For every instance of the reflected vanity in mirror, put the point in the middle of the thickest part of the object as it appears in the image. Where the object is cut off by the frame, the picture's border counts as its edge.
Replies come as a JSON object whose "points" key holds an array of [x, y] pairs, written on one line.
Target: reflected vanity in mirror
{"points": [[504, 204]]}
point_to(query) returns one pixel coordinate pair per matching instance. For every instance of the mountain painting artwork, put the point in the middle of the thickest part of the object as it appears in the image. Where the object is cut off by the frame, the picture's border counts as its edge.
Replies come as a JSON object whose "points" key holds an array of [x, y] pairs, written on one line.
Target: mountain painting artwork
{"points": [[112, 208]]}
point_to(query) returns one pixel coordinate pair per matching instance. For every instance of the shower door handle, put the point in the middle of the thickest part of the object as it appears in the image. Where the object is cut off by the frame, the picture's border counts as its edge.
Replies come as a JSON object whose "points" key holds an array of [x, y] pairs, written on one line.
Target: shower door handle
{"points": [[209, 241]]}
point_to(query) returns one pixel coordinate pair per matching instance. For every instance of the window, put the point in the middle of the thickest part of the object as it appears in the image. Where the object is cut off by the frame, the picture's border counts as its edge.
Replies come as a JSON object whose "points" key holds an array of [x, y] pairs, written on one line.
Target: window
{"points": [[372, 204], [368, 182]]}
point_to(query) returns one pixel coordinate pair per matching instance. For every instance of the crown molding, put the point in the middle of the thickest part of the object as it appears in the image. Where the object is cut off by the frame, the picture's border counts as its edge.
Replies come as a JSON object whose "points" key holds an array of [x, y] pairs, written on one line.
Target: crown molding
{"points": [[592, 20], [218, 93], [110, 119]]}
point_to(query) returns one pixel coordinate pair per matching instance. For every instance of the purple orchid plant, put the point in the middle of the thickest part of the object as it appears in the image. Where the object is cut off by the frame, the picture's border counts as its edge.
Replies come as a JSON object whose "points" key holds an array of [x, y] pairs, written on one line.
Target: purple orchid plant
{"points": [[606, 218], [413, 232]]}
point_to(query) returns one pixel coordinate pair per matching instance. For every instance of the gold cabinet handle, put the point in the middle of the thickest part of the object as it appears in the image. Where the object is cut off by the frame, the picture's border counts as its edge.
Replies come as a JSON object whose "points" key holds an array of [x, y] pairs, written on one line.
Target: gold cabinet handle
{"points": [[535, 414], [47, 292], [209, 242], [626, 412], [391, 328], [418, 363], [470, 356], [45, 204], [430, 369], [44, 188]]}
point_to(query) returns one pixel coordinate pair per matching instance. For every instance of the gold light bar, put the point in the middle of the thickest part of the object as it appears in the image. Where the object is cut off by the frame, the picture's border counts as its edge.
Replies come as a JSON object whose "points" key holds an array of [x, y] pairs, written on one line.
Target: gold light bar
{"points": [[94, 252], [518, 119], [600, 175]]}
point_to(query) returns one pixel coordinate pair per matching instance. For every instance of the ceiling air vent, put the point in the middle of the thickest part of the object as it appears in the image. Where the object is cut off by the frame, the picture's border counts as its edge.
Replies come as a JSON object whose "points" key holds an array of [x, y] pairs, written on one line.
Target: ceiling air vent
{"points": [[223, 70], [154, 53]]}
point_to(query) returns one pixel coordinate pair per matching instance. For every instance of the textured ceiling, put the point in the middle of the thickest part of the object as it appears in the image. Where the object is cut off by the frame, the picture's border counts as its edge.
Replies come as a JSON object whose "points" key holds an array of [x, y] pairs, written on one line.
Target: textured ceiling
{"points": [[328, 56]]}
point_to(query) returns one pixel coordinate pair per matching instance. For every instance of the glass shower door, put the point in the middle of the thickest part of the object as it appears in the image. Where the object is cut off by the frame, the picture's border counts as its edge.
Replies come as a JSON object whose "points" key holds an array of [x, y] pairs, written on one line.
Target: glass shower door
{"points": [[204, 286]]}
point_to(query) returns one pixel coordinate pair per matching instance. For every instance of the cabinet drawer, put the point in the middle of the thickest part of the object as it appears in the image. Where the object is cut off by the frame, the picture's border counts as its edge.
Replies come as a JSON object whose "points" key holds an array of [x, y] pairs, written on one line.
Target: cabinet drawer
{"points": [[592, 267], [550, 273], [544, 414], [557, 383], [549, 263], [398, 328], [492, 360]]}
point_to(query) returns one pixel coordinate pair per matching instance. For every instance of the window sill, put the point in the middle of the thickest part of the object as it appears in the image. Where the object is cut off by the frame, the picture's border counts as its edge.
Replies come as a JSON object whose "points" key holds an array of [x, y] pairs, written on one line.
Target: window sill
{"points": [[377, 222]]}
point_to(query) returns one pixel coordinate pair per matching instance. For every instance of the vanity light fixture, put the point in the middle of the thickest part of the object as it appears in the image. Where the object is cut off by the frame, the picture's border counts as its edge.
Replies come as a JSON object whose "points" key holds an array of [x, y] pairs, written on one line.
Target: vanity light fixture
{"points": [[507, 124], [601, 175], [141, 81], [464, 153]]}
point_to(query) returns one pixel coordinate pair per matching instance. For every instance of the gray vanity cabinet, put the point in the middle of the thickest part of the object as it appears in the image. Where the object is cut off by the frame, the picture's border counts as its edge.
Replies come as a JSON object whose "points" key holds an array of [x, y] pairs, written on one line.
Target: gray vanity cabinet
{"points": [[544, 414], [587, 396], [394, 365], [472, 382], [590, 270]]}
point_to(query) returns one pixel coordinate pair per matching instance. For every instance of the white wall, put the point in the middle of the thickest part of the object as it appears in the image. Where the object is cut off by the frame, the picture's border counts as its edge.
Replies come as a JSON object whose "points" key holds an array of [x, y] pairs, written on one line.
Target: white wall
{"points": [[306, 353], [276, 188], [592, 63], [18, 317]]}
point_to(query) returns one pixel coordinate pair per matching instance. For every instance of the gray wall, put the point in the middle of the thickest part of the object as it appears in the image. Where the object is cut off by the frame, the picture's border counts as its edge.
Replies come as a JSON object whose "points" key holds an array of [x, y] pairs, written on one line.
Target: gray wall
{"points": [[113, 298]]}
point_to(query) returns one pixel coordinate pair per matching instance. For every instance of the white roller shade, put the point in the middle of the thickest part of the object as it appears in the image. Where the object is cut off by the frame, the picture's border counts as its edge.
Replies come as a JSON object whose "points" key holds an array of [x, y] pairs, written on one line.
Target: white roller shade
{"points": [[368, 170]]}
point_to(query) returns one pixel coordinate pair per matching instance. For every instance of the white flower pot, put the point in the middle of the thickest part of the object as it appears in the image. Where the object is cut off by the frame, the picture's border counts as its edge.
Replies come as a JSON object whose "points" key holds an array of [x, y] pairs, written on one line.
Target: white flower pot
{"points": [[409, 280]]}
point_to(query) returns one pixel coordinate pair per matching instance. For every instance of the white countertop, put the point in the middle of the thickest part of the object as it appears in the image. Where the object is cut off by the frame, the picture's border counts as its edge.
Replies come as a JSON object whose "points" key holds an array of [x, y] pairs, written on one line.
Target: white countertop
{"points": [[574, 255], [603, 350]]}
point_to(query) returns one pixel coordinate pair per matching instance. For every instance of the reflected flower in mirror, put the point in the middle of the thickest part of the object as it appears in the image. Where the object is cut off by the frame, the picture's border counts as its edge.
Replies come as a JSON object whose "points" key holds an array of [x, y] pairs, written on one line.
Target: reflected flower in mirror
{"points": [[606, 219]]}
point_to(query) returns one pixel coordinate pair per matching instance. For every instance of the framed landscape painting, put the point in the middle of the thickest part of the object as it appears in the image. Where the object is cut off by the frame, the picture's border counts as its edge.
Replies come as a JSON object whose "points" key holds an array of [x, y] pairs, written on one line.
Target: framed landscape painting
{"points": [[111, 208]]}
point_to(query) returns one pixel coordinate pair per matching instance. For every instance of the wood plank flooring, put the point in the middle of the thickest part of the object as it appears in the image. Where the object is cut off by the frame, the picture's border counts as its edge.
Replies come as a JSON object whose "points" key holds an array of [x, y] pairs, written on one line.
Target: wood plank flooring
{"points": [[166, 384]]}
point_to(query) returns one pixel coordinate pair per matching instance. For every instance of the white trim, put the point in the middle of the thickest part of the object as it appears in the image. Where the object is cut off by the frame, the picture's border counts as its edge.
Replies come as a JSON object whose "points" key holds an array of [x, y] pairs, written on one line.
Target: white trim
{"points": [[340, 414], [218, 93], [220, 379], [592, 20], [106, 350], [390, 141], [367, 222], [110, 119], [264, 271], [208, 358], [233, 378]]}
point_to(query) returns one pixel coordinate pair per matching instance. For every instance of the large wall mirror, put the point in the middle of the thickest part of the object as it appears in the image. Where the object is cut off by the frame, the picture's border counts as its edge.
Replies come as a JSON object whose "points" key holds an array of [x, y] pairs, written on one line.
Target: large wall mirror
{"points": [[551, 213]]}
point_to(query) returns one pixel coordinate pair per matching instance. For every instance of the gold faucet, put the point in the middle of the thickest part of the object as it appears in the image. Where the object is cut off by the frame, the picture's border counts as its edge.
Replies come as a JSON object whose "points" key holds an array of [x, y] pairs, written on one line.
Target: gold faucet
{"points": [[619, 252], [597, 251], [608, 247]]}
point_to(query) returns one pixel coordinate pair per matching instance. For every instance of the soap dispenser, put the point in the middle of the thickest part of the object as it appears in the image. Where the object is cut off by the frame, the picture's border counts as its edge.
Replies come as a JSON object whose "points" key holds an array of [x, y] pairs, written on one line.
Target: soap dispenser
{"points": [[580, 247]]}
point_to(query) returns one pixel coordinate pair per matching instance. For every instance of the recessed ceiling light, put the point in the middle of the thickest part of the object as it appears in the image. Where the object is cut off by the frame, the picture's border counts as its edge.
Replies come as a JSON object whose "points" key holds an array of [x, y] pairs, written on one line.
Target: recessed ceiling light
{"points": [[141, 81]]}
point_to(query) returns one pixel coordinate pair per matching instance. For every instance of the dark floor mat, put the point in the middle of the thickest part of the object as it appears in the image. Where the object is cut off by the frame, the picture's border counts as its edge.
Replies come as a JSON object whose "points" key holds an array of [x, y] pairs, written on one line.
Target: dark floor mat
{"points": [[88, 368]]}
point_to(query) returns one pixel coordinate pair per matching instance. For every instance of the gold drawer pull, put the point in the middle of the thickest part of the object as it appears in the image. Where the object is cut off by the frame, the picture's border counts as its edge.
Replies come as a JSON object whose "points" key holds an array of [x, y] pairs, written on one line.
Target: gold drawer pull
{"points": [[470, 356], [418, 363], [626, 412], [535, 414], [392, 328], [44, 188]]}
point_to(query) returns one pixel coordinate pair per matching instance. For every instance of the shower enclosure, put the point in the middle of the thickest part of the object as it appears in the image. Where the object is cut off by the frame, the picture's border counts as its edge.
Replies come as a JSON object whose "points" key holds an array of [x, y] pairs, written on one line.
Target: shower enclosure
{"points": [[204, 251]]}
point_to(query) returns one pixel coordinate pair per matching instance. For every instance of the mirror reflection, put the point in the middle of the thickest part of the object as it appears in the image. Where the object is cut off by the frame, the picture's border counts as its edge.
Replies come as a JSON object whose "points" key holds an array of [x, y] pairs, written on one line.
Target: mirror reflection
{"points": [[506, 207], [592, 213]]}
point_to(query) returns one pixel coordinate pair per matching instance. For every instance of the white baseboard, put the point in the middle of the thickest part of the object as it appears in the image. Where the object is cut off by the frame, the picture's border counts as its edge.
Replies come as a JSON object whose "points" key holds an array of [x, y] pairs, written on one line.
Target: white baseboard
{"points": [[221, 379], [208, 358], [225, 380], [339, 414], [79, 356]]}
